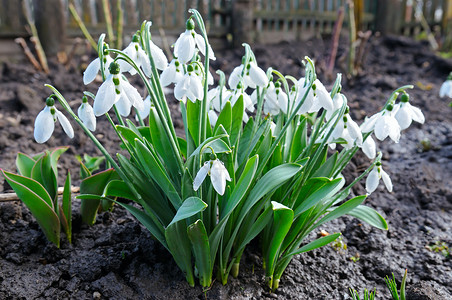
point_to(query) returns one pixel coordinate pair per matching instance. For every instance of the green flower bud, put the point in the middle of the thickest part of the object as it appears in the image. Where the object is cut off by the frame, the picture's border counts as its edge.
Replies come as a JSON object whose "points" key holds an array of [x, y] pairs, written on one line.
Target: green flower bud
{"points": [[390, 107], [136, 38], [190, 68], [405, 97], [84, 99], [50, 101], [190, 24], [114, 68]]}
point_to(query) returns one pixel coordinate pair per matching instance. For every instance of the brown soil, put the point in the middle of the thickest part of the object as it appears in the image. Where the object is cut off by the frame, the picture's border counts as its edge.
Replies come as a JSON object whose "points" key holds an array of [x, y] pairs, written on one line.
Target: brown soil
{"points": [[117, 259]]}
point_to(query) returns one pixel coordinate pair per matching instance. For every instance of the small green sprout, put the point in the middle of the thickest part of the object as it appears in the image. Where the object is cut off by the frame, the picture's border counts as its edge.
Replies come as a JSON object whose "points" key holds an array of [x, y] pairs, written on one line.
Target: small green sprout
{"points": [[366, 296], [339, 245], [355, 258], [441, 247], [392, 286]]}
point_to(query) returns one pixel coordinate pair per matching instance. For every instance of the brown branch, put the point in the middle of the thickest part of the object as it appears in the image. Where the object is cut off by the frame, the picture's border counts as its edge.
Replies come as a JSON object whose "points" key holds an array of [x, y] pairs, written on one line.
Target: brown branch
{"points": [[28, 53], [13, 196]]}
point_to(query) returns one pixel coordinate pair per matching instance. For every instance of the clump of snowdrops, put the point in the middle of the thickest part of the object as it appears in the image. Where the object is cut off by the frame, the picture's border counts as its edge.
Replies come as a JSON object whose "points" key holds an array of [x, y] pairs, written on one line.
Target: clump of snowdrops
{"points": [[261, 156]]}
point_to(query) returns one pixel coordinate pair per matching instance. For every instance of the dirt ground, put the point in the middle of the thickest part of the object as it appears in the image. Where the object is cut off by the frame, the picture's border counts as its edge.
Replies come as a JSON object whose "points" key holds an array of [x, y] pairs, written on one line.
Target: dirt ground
{"points": [[117, 259]]}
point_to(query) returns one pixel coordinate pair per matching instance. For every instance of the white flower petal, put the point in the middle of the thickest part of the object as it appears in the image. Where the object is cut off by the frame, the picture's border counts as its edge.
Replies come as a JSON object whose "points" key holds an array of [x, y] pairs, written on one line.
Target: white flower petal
{"points": [[372, 181], [159, 56], [132, 94], [91, 71], [258, 75], [417, 114], [202, 173], [403, 117], [235, 77], [44, 125], [86, 114], [386, 180], [369, 147], [67, 127], [184, 49], [105, 98], [213, 118], [218, 175]]}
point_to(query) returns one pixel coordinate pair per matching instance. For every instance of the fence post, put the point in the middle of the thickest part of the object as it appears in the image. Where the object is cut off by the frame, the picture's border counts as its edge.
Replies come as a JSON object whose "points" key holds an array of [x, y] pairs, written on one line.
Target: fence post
{"points": [[50, 23], [242, 22], [389, 16]]}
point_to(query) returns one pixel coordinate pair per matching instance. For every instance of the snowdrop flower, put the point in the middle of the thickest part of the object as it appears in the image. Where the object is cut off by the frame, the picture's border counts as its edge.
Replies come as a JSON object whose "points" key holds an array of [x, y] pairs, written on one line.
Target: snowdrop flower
{"points": [[446, 87], [322, 98], [117, 90], [86, 114], [185, 46], [137, 54], [146, 108], [253, 76], [190, 86], [338, 101], [347, 129], [271, 105], [369, 147], [218, 175], [45, 122], [303, 87], [172, 74], [158, 56], [213, 118], [383, 124], [247, 102], [373, 179], [406, 113], [218, 97], [94, 67]]}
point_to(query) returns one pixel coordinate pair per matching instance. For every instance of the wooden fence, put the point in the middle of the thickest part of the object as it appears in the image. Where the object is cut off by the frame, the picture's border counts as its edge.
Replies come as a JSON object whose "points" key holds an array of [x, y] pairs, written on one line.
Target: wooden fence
{"points": [[268, 20]]}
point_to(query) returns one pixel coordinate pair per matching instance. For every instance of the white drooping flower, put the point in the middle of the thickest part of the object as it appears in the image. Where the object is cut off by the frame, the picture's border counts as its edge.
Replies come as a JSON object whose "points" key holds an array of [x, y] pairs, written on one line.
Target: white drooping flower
{"points": [[158, 56], [369, 147], [137, 54], [383, 124], [45, 122], [303, 87], [446, 87], [218, 175], [86, 114], [348, 130], [172, 74], [247, 102], [373, 179], [185, 46], [94, 67], [322, 98], [406, 113], [213, 117], [253, 76], [117, 90], [144, 113], [218, 97], [190, 86], [338, 101]]}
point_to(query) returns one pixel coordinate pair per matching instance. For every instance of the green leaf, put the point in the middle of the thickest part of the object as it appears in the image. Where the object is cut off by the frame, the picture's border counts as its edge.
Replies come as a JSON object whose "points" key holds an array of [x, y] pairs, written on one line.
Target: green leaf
{"points": [[151, 167], [38, 201], [314, 244], [190, 207], [370, 216], [179, 245], [183, 146], [343, 209], [225, 118], [193, 112], [201, 249], [299, 140], [24, 164], [282, 220], [328, 168], [95, 184], [316, 190], [215, 142], [55, 155], [118, 188], [66, 208], [237, 120]]}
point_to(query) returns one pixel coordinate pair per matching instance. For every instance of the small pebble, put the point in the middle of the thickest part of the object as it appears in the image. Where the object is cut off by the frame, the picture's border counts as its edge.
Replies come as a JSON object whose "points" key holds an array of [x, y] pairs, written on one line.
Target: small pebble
{"points": [[96, 296]]}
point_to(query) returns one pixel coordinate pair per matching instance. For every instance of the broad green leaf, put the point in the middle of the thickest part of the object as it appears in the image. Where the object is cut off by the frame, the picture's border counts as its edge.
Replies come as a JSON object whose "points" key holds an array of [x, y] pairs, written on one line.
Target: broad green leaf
{"points": [[179, 245], [343, 209], [201, 249], [84, 171], [257, 227], [24, 164], [183, 146], [190, 207], [92, 163], [237, 120], [38, 201], [282, 220], [162, 146], [225, 118], [328, 168], [95, 184], [316, 190], [370, 216], [299, 140], [66, 208], [49, 176], [128, 134], [217, 144], [151, 167], [118, 188], [264, 129], [193, 121], [315, 244], [55, 154]]}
